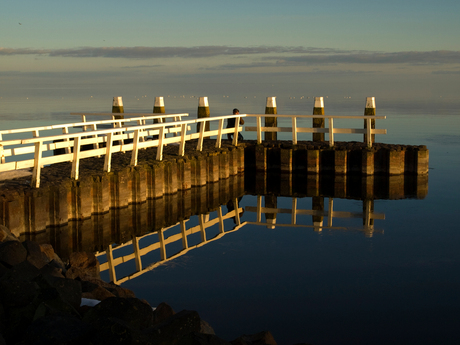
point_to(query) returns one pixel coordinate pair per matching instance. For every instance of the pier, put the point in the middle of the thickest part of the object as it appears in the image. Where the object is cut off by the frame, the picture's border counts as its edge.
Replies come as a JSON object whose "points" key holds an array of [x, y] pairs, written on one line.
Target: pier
{"points": [[91, 167]]}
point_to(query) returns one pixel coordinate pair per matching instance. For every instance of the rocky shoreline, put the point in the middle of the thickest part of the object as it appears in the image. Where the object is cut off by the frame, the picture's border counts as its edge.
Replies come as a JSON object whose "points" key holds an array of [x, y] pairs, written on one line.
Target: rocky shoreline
{"points": [[46, 301]]}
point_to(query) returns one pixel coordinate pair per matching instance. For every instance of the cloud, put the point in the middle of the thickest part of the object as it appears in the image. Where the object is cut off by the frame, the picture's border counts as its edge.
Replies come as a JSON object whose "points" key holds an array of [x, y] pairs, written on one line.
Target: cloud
{"points": [[446, 72], [269, 55], [415, 58], [168, 52]]}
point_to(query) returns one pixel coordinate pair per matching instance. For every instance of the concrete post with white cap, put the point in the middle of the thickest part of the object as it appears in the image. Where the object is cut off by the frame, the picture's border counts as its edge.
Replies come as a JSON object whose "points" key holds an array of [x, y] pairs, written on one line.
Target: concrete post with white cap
{"points": [[158, 107], [117, 107], [270, 108], [203, 111], [318, 109], [370, 110]]}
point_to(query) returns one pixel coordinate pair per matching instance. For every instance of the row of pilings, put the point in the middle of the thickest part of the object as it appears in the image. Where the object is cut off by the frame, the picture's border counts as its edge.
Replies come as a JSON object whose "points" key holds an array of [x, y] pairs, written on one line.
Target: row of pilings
{"points": [[342, 159]]}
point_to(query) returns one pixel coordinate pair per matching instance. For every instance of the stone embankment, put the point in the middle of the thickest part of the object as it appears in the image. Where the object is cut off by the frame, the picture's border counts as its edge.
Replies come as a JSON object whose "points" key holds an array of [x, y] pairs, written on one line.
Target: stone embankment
{"points": [[41, 303]]}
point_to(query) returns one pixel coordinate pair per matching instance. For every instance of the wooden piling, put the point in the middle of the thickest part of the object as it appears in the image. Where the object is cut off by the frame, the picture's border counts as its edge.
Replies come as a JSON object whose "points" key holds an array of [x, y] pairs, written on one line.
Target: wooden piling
{"points": [[318, 109], [117, 107], [369, 110], [270, 108], [203, 112]]}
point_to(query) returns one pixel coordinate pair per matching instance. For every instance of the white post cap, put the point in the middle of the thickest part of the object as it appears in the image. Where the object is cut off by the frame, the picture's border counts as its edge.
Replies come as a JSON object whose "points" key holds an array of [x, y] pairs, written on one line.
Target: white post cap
{"points": [[203, 102], [370, 102], [117, 102], [271, 102], [319, 102], [159, 102]]}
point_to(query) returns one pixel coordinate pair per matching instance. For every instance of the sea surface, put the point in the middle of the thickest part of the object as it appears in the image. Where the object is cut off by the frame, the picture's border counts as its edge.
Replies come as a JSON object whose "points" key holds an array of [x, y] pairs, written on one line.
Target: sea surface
{"points": [[400, 285]]}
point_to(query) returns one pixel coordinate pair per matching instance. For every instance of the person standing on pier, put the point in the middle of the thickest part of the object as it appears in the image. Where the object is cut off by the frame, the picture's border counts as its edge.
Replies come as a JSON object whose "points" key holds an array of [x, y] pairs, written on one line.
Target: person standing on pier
{"points": [[231, 124]]}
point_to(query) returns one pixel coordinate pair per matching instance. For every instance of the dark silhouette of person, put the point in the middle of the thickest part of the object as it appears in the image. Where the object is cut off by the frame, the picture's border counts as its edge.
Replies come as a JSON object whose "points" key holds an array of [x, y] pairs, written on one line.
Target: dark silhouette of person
{"points": [[231, 124]]}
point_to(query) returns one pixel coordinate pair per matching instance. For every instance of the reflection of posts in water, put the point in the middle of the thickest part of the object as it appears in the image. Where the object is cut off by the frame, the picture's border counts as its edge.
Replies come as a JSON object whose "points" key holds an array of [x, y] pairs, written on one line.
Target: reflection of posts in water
{"points": [[368, 220], [231, 206], [318, 205], [271, 201]]}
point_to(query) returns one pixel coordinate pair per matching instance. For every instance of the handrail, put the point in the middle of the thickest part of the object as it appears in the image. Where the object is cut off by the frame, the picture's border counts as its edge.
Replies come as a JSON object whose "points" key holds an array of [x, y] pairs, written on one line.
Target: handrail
{"points": [[136, 134], [367, 131]]}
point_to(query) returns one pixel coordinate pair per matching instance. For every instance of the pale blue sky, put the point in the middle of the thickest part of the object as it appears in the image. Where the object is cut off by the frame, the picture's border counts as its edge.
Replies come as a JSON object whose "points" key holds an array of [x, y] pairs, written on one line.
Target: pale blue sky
{"points": [[365, 39]]}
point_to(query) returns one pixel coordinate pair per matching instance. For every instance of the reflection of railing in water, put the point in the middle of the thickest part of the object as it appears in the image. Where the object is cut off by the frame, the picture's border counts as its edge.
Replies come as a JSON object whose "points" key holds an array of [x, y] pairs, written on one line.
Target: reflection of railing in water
{"points": [[317, 212], [204, 222], [136, 255]]}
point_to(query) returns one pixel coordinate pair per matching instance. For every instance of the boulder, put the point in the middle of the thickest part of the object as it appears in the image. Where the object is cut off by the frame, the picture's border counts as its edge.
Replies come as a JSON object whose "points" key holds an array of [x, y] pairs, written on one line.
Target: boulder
{"points": [[12, 253], [261, 338], [162, 312], [35, 255], [131, 311], [6, 235]]}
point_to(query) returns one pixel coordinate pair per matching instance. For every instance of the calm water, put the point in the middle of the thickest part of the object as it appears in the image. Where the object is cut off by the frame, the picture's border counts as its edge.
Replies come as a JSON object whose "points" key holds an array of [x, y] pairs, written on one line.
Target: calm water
{"points": [[400, 286]]}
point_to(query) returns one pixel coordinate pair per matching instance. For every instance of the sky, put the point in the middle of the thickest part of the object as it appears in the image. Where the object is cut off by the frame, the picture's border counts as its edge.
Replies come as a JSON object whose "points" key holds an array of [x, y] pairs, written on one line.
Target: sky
{"points": [[385, 47]]}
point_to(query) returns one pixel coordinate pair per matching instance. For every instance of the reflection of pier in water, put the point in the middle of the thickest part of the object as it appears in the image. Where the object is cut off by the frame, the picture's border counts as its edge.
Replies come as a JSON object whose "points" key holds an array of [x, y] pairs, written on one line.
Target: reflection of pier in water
{"points": [[317, 213], [179, 234]]}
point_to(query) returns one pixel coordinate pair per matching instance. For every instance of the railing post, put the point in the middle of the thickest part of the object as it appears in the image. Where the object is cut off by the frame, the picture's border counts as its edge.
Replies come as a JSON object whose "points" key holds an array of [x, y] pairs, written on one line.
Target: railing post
{"points": [[76, 157], [369, 111], [294, 130], [219, 134], [160, 144], [135, 152], [108, 152], [203, 111], [182, 139], [37, 165], [201, 128], [331, 132], [270, 108], [318, 109], [259, 129], [235, 133]]}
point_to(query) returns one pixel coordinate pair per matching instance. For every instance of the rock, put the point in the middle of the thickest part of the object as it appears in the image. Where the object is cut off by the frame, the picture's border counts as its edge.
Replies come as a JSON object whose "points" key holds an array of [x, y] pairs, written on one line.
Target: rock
{"points": [[202, 339], [52, 269], [206, 328], [69, 290], [88, 286], [132, 311], [83, 266], [56, 330], [48, 250], [6, 235], [162, 312], [98, 293], [174, 328], [34, 254], [12, 253], [261, 338], [17, 285]]}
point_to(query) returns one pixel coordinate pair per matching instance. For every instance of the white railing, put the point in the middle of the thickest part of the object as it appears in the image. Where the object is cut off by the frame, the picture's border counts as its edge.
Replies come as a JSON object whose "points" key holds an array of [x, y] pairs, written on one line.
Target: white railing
{"points": [[104, 142], [368, 132], [164, 238]]}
